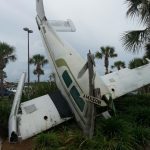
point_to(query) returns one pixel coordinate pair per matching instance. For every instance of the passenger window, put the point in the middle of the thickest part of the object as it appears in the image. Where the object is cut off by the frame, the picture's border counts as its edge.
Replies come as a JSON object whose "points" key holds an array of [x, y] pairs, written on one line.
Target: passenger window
{"points": [[76, 96], [67, 78]]}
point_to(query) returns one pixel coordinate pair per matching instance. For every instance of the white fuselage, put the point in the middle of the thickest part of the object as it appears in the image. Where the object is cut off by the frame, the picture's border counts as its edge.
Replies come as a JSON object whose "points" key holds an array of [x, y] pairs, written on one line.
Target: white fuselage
{"points": [[67, 62]]}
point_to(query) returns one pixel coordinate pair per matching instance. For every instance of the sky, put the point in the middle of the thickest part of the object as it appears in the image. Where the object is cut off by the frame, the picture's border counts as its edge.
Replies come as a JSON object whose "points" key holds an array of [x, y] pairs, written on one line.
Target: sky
{"points": [[98, 23]]}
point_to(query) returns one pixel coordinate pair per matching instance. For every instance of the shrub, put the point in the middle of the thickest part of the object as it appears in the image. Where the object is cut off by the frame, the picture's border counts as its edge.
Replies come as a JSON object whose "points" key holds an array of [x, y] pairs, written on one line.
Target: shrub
{"points": [[141, 136], [123, 103], [48, 141], [115, 144], [39, 89], [114, 127], [140, 115], [5, 108], [114, 134]]}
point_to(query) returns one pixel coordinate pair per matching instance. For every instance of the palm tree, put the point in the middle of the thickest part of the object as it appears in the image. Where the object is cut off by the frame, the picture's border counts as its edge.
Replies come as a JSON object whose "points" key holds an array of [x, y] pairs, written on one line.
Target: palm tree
{"points": [[134, 40], [39, 61], [147, 51], [136, 62], [106, 53], [6, 55], [118, 64]]}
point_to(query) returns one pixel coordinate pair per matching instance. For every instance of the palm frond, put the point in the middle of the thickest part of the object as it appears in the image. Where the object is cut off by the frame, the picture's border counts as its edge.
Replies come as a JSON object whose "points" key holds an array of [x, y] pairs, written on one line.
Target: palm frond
{"points": [[133, 40], [113, 55], [147, 51], [12, 58], [136, 62], [133, 8], [140, 9], [103, 50], [5, 49], [98, 55]]}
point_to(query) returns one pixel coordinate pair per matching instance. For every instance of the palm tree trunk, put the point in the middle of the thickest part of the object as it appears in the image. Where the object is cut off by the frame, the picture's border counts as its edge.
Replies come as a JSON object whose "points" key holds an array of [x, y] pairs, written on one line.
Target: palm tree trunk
{"points": [[38, 78], [106, 64]]}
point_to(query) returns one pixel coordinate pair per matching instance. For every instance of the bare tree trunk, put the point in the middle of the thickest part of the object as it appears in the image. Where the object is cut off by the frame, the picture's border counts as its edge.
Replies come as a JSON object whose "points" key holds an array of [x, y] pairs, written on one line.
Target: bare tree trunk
{"points": [[118, 67]]}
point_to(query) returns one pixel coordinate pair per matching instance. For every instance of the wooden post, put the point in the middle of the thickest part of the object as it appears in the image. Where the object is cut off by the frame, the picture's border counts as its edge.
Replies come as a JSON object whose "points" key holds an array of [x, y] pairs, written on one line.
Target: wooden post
{"points": [[89, 130]]}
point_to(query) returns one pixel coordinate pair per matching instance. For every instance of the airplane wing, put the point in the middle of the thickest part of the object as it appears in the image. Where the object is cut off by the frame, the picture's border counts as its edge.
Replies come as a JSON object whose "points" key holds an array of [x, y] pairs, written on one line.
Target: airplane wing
{"points": [[127, 80], [34, 116], [39, 115]]}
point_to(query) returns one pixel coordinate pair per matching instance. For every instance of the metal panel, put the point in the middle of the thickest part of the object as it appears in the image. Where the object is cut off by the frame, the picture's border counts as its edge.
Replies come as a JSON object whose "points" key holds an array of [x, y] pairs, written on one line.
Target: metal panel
{"points": [[45, 117], [127, 80]]}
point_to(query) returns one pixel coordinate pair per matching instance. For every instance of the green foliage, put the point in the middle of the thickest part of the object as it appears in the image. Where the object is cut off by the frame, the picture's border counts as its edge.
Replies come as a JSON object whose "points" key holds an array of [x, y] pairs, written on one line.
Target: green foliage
{"points": [[39, 61], [141, 136], [5, 108], [114, 127], [106, 53], [134, 40], [118, 64], [47, 141], [140, 115], [6, 55], [129, 130], [123, 103], [136, 62], [147, 51], [39, 89]]}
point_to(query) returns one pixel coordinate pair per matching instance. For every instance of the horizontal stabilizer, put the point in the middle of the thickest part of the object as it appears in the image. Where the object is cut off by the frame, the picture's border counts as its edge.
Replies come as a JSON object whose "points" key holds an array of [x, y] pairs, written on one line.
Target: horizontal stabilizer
{"points": [[62, 26]]}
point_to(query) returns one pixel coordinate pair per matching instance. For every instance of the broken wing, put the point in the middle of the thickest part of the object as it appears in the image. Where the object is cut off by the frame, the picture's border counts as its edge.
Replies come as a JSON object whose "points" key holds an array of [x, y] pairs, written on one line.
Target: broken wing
{"points": [[127, 80]]}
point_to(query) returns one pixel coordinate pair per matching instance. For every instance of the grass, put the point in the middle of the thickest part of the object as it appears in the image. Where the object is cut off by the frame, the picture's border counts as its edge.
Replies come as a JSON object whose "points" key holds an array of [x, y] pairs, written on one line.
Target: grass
{"points": [[5, 108], [38, 89], [129, 130], [46, 141], [141, 136]]}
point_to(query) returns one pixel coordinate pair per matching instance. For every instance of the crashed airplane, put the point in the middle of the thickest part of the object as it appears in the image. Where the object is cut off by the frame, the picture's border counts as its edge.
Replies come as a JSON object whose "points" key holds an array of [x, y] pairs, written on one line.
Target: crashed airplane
{"points": [[32, 117]]}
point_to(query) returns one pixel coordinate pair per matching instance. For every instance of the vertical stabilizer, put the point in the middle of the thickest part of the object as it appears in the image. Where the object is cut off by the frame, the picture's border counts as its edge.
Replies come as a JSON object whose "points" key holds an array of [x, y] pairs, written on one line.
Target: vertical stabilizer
{"points": [[40, 9]]}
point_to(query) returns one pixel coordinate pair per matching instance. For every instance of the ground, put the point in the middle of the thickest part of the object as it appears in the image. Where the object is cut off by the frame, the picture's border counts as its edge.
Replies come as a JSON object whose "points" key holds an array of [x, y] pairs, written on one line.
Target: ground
{"points": [[24, 145]]}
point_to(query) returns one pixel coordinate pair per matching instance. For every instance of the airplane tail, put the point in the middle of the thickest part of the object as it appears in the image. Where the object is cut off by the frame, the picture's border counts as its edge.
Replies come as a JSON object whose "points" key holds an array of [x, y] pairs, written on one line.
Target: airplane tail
{"points": [[40, 9], [57, 25]]}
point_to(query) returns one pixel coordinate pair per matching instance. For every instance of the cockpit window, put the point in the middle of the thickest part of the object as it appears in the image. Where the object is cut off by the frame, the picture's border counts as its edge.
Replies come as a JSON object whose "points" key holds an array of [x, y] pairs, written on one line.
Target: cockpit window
{"points": [[67, 79], [76, 96]]}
